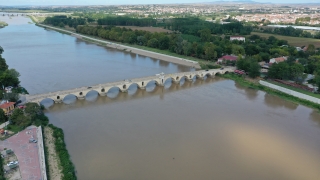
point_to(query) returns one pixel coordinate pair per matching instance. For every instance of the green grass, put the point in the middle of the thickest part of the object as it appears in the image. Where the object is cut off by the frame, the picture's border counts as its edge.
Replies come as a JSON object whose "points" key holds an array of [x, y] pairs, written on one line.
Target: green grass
{"points": [[242, 81], [14, 128], [296, 89], [294, 41]]}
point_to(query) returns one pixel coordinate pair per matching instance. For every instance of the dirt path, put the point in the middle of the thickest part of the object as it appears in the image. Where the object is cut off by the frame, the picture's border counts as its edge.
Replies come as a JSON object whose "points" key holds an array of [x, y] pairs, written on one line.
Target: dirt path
{"points": [[54, 171]]}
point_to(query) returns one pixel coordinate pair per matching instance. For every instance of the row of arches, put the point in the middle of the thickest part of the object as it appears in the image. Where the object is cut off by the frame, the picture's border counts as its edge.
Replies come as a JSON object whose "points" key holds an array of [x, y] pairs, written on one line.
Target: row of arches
{"points": [[102, 91]]}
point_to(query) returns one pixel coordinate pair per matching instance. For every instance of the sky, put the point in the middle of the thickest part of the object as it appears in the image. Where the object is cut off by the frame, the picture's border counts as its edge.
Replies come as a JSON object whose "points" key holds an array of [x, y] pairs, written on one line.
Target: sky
{"points": [[117, 2]]}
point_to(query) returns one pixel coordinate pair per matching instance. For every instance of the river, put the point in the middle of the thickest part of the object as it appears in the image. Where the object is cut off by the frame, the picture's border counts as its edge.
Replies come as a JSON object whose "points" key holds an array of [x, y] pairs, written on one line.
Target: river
{"points": [[204, 129]]}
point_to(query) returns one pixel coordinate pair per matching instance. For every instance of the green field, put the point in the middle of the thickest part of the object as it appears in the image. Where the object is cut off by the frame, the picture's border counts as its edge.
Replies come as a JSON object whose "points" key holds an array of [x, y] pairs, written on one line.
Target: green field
{"points": [[294, 41]]}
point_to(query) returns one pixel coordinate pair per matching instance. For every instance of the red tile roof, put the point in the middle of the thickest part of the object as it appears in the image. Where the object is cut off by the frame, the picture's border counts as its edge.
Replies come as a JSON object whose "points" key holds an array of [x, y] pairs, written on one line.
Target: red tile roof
{"points": [[6, 105], [228, 57]]}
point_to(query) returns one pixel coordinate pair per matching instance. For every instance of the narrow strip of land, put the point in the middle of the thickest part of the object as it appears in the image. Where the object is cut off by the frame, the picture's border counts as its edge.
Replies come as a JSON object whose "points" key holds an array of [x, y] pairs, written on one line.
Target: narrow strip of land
{"points": [[142, 52]]}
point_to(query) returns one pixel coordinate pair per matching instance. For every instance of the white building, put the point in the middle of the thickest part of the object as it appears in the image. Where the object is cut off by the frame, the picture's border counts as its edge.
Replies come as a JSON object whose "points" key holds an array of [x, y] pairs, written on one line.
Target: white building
{"points": [[239, 38]]}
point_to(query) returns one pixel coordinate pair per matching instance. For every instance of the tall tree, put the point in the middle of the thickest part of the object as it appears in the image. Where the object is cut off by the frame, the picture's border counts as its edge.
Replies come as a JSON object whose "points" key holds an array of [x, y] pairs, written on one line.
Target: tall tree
{"points": [[3, 117], [254, 69]]}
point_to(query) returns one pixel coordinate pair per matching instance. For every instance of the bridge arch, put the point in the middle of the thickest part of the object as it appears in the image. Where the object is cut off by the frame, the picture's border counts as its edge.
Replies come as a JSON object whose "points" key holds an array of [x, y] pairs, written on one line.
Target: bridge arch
{"points": [[47, 102], [70, 98]]}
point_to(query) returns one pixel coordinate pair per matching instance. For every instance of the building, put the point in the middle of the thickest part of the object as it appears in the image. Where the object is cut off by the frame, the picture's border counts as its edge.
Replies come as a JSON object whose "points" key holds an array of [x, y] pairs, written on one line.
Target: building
{"points": [[7, 107], [239, 38], [227, 58], [278, 59]]}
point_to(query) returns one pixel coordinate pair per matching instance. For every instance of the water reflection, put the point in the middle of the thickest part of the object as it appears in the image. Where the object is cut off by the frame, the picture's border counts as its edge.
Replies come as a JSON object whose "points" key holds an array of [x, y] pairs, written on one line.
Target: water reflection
{"points": [[134, 92], [276, 102], [315, 116], [197, 130]]}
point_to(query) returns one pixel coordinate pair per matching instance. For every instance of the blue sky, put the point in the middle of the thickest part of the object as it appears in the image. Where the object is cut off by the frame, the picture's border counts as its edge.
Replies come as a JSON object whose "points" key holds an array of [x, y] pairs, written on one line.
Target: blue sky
{"points": [[113, 2]]}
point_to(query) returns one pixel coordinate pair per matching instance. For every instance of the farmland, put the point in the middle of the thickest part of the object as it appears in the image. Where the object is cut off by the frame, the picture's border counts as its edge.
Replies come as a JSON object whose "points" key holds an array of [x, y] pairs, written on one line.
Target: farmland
{"points": [[294, 41]]}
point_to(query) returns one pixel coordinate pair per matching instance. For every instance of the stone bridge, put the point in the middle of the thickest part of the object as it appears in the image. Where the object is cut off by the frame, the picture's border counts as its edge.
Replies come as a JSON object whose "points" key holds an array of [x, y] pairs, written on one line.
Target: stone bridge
{"points": [[123, 86]]}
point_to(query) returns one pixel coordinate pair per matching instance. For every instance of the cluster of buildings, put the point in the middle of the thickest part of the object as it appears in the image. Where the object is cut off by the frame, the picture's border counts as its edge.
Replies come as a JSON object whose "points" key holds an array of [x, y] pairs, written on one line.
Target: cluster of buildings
{"points": [[287, 18]]}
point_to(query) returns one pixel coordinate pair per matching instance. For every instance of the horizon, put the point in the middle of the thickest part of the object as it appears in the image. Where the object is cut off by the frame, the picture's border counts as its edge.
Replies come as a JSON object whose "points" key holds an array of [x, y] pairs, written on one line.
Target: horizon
{"points": [[140, 2]]}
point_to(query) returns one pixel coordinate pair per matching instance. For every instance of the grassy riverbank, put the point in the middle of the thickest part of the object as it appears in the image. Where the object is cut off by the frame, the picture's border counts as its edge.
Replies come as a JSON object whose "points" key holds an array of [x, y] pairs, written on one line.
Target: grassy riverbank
{"points": [[242, 81], [59, 164]]}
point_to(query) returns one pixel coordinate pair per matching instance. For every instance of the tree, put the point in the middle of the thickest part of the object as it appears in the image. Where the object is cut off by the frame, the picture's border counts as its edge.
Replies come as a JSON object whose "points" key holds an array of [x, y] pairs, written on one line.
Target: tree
{"points": [[237, 50], [3, 64], [164, 42], [296, 71], [311, 49], [14, 73], [254, 69], [205, 34], [3, 117], [279, 71], [1, 50], [243, 64], [153, 43], [33, 110]]}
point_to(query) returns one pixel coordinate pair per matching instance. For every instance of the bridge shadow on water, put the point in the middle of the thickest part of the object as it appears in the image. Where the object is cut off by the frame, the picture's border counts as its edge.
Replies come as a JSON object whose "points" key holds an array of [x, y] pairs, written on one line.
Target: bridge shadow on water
{"points": [[114, 94]]}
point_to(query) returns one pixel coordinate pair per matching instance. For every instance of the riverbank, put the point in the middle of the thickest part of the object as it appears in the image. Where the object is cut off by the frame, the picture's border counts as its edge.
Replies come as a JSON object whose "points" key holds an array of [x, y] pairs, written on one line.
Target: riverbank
{"points": [[3, 24], [163, 57], [255, 85]]}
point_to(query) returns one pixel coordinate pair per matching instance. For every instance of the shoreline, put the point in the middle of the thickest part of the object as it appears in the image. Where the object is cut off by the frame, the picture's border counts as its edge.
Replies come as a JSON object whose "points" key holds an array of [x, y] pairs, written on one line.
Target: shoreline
{"points": [[245, 83], [162, 57]]}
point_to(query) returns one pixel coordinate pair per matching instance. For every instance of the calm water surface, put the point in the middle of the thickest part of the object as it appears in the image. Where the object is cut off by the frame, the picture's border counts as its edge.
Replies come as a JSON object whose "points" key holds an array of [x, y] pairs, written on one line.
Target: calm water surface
{"points": [[50, 61], [210, 129]]}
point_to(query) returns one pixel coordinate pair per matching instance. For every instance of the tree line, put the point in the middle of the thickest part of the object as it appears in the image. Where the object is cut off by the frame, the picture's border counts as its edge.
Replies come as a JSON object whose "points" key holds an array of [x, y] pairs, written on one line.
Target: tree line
{"points": [[126, 21], [290, 31], [64, 20], [204, 45]]}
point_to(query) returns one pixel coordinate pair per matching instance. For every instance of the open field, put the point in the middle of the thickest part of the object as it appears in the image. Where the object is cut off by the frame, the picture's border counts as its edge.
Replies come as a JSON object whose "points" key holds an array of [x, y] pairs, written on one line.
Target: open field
{"points": [[294, 41], [150, 29]]}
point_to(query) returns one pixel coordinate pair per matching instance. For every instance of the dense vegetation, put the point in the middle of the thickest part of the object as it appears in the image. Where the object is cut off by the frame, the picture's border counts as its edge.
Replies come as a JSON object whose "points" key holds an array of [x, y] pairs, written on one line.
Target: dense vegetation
{"points": [[32, 114], [192, 26], [290, 31], [68, 170], [9, 77], [126, 21], [64, 20]]}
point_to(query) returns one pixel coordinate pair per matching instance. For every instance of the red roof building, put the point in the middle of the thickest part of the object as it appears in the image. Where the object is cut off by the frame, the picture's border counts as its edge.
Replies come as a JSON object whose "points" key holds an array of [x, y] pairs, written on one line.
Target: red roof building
{"points": [[227, 58], [7, 107]]}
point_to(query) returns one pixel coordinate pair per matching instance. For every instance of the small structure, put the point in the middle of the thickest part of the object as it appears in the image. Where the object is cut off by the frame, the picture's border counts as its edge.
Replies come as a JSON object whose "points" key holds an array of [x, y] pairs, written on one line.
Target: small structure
{"points": [[264, 67], [7, 107], [239, 38], [227, 58], [278, 59]]}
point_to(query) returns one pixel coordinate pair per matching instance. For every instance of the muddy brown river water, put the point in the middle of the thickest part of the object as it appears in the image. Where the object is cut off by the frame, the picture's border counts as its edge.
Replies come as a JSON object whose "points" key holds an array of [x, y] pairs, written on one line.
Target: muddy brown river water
{"points": [[205, 129]]}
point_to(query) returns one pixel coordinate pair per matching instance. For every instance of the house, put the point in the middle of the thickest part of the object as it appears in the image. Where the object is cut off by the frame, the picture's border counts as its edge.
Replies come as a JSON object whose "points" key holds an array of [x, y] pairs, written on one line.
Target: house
{"points": [[277, 60], [227, 58], [239, 38], [264, 67], [7, 107]]}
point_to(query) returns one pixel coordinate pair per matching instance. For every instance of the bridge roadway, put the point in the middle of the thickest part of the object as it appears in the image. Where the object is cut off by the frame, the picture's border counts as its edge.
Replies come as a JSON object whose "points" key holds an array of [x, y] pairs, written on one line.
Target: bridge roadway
{"points": [[102, 89]]}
